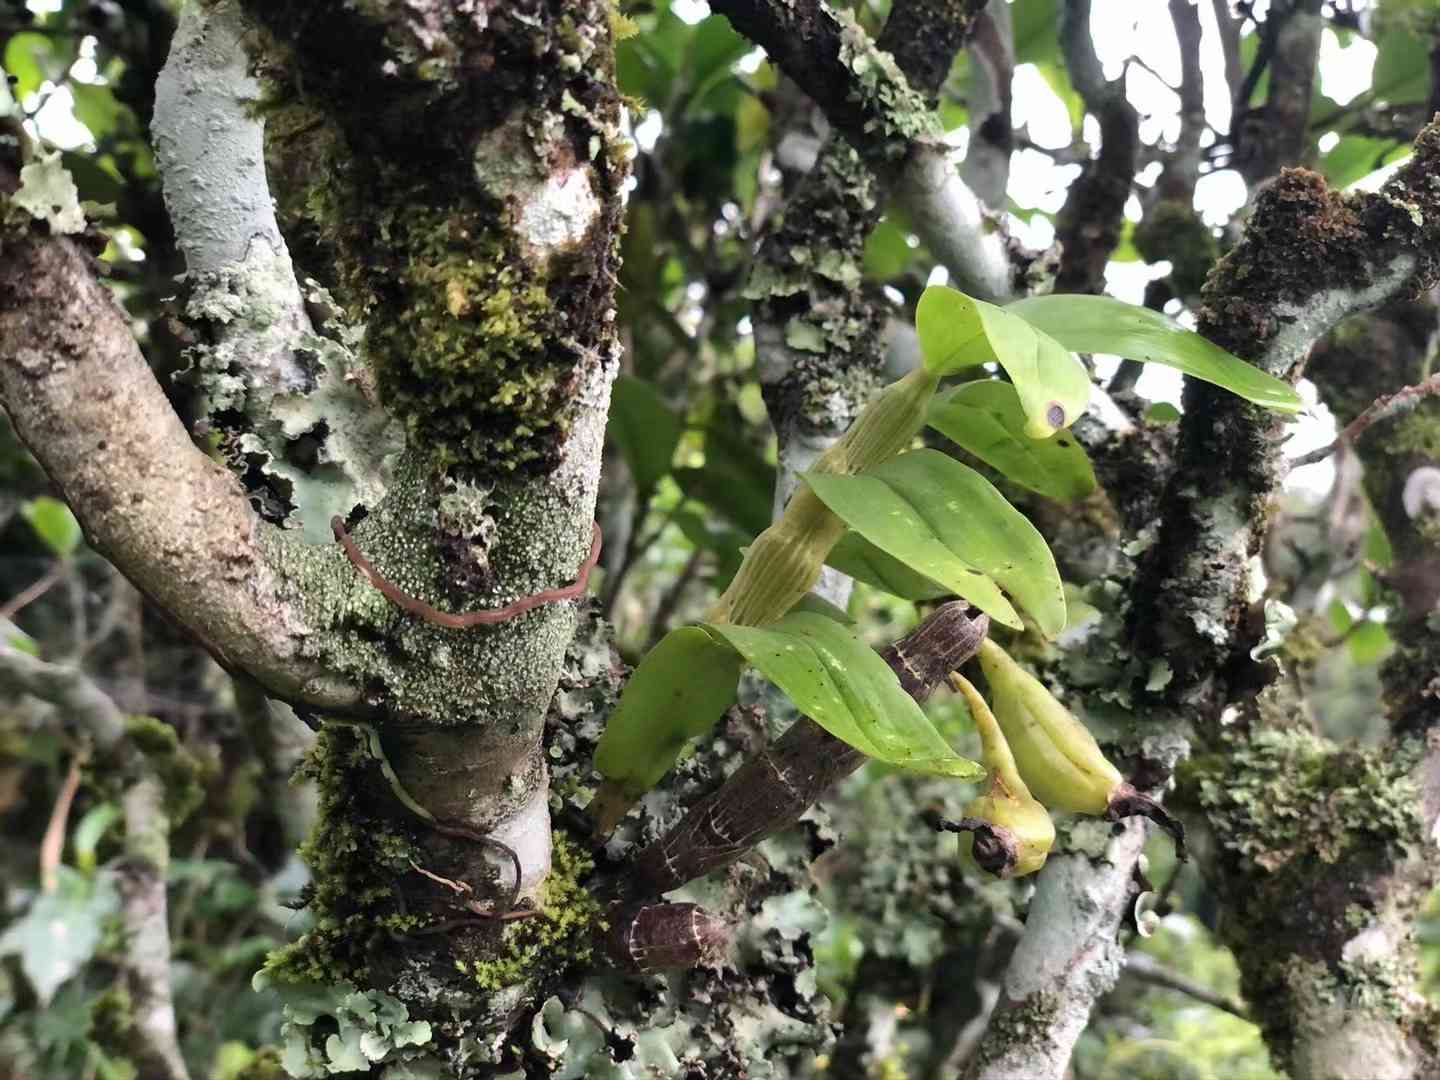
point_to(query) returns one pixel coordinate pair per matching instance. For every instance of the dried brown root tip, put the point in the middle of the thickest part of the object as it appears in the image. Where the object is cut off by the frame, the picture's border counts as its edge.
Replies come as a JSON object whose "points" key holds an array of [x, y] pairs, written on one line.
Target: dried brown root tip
{"points": [[1126, 802], [657, 937], [994, 848]]}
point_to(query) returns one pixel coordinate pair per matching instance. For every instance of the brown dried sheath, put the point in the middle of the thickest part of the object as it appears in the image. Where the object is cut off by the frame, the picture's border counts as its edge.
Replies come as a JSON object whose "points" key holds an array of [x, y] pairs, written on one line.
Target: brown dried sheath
{"points": [[465, 620], [773, 789]]}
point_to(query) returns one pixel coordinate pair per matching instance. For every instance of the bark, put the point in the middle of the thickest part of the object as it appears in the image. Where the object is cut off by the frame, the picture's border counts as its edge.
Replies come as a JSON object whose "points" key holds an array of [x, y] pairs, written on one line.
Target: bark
{"points": [[868, 99], [1089, 224], [81, 397]]}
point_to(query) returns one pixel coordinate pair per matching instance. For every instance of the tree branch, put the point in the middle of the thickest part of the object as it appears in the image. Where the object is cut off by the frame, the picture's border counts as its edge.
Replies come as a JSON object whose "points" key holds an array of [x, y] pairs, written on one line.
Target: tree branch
{"points": [[869, 101], [267, 379], [992, 136], [1090, 223], [1309, 258], [85, 403]]}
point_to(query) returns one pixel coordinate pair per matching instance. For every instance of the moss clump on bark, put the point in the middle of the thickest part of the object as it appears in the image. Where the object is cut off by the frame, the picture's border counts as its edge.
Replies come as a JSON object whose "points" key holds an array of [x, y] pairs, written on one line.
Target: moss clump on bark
{"points": [[1297, 816], [1174, 231], [560, 937], [463, 358], [182, 775], [355, 858]]}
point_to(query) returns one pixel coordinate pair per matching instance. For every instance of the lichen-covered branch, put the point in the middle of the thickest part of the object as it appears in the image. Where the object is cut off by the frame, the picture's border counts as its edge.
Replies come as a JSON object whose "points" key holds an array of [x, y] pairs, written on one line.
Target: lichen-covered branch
{"points": [[1309, 258], [1068, 956], [178, 525], [268, 381], [868, 99]]}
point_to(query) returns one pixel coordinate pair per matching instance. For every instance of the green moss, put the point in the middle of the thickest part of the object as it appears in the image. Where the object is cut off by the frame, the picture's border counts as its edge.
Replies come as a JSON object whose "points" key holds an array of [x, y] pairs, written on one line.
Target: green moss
{"points": [[462, 357], [1293, 816], [263, 1065], [113, 1019], [183, 775], [560, 937], [355, 857], [1287, 795], [1417, 432], [1174, 231]]}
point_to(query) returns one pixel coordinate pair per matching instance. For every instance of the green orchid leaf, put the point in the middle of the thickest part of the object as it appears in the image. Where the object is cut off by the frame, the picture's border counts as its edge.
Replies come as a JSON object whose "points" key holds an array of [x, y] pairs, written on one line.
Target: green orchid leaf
{"points": [[847, 688], [863, 561], [678, 692], [948, 522], [1102, 324], [986, 418], [957, 331]]}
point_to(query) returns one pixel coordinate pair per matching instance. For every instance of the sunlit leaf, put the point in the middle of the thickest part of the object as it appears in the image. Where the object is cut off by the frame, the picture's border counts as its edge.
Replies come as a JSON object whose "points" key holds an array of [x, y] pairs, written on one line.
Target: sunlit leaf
{"points": [[948, 522], [54, 524], [1102, 324], [957, 331], [61, 931], [986, 419], [846, 688]]}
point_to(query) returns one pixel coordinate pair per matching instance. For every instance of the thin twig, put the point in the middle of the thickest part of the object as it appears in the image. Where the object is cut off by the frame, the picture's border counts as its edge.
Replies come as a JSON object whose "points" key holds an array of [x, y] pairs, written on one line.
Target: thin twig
{"points": [[1401, 401], [52, 846], [32, 592], [1148, 970]]}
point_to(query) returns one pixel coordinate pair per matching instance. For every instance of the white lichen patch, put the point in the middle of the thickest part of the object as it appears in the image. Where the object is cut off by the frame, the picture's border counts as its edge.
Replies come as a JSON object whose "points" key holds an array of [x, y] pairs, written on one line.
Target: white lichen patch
{"points": [[550, 196], [560, 212], [49, 194]]}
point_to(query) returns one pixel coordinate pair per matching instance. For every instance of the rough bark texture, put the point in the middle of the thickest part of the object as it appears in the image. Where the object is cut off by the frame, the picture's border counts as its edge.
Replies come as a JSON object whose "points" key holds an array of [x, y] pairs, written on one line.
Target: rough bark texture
{"points": [[177, 524], [868, 99]]}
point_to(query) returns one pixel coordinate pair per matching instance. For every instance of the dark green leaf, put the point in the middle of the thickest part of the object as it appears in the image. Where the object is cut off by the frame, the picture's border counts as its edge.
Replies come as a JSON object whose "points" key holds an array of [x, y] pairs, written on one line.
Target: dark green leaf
{"points": [[846, 688], [957, 331], [985, 418], [1036, 31], [644, 429], [863, 561], [948, 522], [678, 692], [1101, 324], [1402, 66]]}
